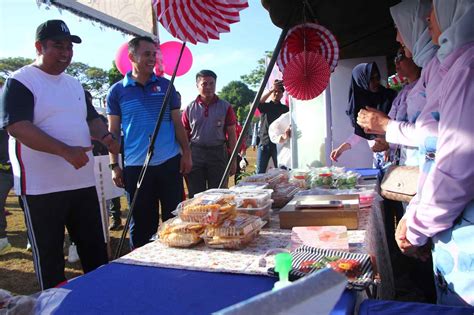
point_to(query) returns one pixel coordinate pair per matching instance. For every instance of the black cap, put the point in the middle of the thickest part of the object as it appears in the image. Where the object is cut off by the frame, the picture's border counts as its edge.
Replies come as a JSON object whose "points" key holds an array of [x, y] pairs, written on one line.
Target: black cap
{"points": [[55, 29]]}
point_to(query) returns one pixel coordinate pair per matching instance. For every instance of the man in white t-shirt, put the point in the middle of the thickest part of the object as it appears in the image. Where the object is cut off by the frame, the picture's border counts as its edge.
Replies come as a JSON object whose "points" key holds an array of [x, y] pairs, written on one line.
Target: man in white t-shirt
{"points": [[50, 122]]}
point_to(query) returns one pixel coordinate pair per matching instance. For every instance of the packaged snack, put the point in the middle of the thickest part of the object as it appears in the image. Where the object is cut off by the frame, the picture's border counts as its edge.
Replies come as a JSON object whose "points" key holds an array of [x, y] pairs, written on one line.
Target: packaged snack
{"points": [[178, 233], [233, 233], [218, 191], [253, 199], [272, 177], [242, 185], [283, 193], [262, 212], [207, 208]]}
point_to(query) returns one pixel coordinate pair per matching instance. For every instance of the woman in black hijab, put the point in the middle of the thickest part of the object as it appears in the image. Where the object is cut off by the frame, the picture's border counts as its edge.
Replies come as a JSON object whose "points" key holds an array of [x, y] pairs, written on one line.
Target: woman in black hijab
{"points": [[366, 90]]}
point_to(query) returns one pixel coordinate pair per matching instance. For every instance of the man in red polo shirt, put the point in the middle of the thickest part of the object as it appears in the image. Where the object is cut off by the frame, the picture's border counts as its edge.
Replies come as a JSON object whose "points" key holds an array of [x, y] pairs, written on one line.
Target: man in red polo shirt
{"points": [[207, 120]]}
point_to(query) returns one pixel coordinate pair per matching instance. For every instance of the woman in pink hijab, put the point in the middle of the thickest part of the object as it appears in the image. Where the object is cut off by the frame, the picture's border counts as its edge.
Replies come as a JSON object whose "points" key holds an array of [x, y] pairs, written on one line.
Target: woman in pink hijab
{"points": [[441, 216]]}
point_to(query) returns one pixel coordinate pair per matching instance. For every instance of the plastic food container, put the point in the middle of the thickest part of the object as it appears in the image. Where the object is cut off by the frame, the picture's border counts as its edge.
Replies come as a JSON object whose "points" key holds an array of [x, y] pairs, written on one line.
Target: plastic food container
{"points": [[249, 186], [262, 212], [214, 191], [283, 193], [233, 233], [207, 208], [271, 178], [253, 199], [178, 233]]}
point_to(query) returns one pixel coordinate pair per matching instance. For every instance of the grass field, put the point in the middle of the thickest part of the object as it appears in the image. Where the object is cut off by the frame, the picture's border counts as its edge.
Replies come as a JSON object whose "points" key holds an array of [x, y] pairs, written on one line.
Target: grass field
{"points": [[17, 274]]}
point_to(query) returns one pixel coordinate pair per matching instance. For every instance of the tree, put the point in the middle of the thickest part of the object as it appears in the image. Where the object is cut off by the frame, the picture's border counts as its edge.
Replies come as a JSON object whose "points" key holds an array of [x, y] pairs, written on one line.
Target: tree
{"points": [[93, 79], [255, 77], [11, 64], [114, 74], [237, 93]]}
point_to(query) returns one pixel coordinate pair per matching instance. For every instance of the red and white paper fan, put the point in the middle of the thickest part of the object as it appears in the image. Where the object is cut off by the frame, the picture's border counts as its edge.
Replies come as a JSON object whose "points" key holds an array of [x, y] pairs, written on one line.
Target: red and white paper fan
{"points": [[198, 21], [309, 37], [306, 75]]}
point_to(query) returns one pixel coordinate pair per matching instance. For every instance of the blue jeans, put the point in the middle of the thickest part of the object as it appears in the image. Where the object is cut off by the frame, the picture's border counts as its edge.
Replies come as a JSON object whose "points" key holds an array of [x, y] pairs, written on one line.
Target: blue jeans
{"points": [[264, 153]]}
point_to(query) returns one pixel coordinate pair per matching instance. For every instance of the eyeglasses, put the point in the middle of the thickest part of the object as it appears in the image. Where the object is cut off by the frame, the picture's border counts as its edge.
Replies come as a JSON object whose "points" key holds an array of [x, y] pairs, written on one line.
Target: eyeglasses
{"points": [[399, 56]]}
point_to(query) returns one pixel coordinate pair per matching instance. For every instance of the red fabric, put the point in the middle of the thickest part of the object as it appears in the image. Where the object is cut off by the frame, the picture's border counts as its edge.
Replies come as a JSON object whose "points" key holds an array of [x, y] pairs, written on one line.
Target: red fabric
{"points": [[238, 131], [230, 118], [185, 122]]}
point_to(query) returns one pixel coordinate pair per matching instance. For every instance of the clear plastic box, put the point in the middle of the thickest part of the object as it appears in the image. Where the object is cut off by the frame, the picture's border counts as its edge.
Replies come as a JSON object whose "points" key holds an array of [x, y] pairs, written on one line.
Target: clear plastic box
{"points": [[272, 178], [249, 186], [241, 225], [283, 193], [238, 242], [207, 208], [214, 191], [178, 233], [253, 199], [233, 234], [262, 212]]}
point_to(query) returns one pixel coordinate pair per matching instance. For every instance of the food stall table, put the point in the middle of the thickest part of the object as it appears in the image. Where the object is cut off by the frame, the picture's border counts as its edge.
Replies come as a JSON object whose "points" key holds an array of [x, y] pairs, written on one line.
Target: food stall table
{"points": [[130, 289]]}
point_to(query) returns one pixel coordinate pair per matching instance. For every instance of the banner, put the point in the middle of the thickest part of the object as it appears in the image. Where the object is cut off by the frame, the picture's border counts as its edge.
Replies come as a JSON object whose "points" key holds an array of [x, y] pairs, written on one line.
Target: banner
{"points": [[134, 17]]}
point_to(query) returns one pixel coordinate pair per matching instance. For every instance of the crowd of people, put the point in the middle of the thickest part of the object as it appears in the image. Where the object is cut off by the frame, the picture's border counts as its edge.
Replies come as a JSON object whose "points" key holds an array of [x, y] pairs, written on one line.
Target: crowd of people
{"points": [[426, 124]]}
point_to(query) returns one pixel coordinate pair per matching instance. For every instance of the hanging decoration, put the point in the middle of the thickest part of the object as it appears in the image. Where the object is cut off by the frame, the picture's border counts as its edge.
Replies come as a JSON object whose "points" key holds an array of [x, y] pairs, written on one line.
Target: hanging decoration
{"points": [[313, 37], [198, 21], [306, 75]]}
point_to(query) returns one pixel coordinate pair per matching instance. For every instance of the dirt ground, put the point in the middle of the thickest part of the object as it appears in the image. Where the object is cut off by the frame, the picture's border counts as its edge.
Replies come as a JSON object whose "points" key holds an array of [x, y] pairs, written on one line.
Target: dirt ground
{"points": [[17, 274]]}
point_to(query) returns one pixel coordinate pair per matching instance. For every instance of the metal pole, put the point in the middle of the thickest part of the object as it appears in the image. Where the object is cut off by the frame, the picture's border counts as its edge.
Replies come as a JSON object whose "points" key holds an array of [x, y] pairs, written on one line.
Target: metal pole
{"points": [[149, 155], [256, 101]]}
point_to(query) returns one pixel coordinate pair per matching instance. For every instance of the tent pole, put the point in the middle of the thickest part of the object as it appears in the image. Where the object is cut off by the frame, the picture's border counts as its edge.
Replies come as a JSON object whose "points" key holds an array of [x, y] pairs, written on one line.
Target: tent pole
{"points": [[256, 101], [149, 155]]}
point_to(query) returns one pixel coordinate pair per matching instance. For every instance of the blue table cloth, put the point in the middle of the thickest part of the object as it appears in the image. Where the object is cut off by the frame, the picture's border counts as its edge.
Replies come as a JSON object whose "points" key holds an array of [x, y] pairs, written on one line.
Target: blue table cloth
{"points": [[380, 307], [130, 289]]}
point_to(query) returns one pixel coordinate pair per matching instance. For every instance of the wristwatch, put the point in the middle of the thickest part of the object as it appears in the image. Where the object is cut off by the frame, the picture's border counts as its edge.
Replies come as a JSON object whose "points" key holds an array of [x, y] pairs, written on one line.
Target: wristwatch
{"points": [[113, 165]]}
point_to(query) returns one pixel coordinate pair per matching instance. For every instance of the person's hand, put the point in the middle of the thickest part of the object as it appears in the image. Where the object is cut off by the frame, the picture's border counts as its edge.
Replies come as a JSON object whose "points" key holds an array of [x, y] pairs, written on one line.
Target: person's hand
{"points": [[233, 168], [112, 144], [287, 133], [386, 156], [186, 163], [277, 85], [254, 147], [117, 177], [373, 121], [406, 247], [336, 153], [76, 156], [380, 145]]}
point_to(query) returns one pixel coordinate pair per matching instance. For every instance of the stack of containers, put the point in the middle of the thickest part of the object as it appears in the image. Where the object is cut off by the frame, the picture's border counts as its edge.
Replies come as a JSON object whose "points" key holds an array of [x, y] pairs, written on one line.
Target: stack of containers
{"points": [[215, 211]]}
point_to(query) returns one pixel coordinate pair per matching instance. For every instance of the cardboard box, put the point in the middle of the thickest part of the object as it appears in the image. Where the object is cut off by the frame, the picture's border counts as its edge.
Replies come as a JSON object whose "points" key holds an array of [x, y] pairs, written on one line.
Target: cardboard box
{"points": [[321, 210]]}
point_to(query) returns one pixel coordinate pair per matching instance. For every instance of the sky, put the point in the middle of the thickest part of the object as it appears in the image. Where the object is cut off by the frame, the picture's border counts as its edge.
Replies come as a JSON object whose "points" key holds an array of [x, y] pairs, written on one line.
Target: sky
{"points": [[234, 54]]}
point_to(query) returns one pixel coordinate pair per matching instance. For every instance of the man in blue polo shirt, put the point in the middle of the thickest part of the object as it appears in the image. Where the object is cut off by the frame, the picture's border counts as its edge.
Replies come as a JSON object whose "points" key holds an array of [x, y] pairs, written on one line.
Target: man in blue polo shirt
{"points": [[133, 106]]}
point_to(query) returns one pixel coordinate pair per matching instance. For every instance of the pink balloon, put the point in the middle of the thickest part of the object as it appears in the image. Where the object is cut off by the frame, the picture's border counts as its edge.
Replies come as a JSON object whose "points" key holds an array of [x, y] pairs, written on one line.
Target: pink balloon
{"points": [[124, 64], [170, 51], [121, 59]]}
